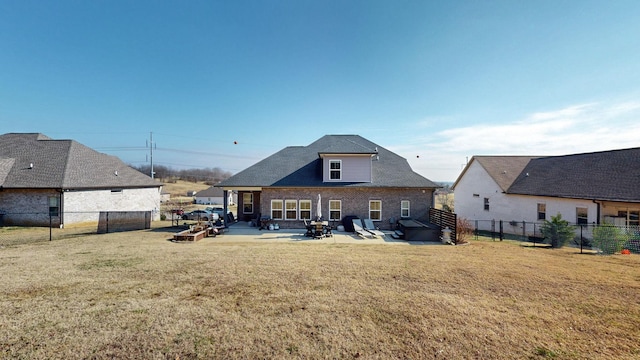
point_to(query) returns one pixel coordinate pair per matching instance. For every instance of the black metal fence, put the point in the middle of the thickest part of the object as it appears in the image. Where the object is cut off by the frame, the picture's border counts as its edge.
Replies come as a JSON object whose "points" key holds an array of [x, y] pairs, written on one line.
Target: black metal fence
{"points": [[605, 238], [21, 228]]}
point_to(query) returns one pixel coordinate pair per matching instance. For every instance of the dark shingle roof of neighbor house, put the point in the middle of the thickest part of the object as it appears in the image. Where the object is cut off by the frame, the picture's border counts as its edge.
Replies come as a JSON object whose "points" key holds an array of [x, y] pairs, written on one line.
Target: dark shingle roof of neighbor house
{"points": [[607, 175], [301, 166], [32, 160], [211, 191], [503, 169]]}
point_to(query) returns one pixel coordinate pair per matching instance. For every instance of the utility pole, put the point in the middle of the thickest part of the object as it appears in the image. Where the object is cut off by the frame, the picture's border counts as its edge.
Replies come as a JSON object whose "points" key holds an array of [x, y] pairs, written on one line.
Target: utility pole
{"points": [[151, 146]]}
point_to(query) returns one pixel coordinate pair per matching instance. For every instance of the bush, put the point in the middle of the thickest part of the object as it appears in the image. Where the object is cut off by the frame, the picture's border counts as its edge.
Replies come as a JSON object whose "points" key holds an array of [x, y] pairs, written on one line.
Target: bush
{"points": [[557, 232], [464, 230], [609, 238]]}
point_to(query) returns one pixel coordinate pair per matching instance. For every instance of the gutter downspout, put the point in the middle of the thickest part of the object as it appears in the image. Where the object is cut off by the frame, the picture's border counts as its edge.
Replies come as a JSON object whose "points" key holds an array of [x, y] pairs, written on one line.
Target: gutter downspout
{"points": [[597, 211]]}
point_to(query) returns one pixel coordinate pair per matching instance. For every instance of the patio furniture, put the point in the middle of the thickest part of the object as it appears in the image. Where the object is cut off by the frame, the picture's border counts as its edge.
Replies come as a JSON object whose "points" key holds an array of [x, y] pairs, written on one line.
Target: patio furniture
{"points": [[370, 227], [358, 229]]}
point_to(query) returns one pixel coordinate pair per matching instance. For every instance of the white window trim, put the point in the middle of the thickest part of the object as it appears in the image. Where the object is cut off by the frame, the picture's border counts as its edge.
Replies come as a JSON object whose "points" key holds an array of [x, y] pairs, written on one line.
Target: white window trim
{"points": [[244, 203], [338, 210], [338, 170], [408, 208], [300, 209], [379, 211], [281, 209], [286, 209]]}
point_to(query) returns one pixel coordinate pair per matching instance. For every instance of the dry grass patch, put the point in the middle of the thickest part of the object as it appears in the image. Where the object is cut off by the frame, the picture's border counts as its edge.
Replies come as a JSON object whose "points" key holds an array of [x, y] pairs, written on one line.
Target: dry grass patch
{"points": [[137, 295]]}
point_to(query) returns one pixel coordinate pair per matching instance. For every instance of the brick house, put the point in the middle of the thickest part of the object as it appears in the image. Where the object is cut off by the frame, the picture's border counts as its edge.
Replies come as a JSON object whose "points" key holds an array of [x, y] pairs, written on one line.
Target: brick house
{"points": [[43, 179], [346, 174]]}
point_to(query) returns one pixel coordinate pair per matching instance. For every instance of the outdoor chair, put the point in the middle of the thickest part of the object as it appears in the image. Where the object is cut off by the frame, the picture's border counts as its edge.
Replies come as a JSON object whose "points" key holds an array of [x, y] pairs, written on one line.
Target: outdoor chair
{"points": [[309, 228], [319, 231], [358, 229], [370, 227]]}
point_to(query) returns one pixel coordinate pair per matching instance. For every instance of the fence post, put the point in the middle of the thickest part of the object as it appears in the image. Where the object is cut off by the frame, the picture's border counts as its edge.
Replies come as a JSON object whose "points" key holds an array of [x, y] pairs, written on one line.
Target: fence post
{"points": [[581, 226], [476, 230], [493, 229], [501, 231], [50, 225]]}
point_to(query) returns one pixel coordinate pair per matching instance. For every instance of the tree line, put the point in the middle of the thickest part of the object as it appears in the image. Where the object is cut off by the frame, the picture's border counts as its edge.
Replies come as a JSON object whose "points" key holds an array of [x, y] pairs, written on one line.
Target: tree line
{"points": [[210, 176]]}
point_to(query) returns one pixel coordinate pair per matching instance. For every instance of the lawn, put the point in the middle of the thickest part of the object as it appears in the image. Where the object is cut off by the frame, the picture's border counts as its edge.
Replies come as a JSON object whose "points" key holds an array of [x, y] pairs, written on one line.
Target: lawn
{"points": [[137, 295]]}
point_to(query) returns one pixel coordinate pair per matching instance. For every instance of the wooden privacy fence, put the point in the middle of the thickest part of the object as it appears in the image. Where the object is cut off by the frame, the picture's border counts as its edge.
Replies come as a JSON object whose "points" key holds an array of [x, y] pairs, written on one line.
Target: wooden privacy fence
{"points": [[444, 219]]}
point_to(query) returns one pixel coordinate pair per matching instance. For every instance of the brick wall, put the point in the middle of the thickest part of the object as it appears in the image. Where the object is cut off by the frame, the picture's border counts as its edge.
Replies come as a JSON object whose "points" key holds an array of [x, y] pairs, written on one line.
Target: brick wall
{"points": [[30, 207], [355, 201]]}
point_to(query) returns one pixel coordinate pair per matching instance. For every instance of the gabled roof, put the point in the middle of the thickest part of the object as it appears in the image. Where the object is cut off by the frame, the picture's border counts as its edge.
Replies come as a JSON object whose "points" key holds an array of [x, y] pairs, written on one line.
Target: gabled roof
{"points": [[211, 191], [301, 166], [607, 175], [503, 169], [31, 160]]}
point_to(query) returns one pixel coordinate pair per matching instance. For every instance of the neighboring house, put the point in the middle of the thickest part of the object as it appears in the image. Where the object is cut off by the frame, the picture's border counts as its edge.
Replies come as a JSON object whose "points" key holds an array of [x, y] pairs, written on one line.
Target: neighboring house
{"points": [[584, 188], [40, 176], [339, 175], [214, 196]]}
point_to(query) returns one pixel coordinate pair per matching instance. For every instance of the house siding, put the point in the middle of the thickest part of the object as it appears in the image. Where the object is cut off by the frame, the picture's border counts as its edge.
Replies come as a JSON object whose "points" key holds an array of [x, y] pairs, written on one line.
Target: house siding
{"points": [[355, 201], [354, 169], [518, 208]]}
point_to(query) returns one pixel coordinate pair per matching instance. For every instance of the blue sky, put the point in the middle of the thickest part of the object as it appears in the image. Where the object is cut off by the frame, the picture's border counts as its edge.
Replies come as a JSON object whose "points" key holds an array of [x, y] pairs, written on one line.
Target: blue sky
{"points": [[434, 81]]}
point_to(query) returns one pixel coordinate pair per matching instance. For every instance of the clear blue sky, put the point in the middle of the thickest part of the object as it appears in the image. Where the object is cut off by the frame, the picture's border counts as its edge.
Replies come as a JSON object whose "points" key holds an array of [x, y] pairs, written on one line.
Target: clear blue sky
{"points": [[434, 81]]}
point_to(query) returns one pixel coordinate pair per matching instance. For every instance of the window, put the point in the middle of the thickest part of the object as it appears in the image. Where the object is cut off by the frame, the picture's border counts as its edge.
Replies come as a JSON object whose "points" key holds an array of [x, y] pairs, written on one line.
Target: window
{"points": [[305, 209], [375, 209], [291, 207], [581, 216], [335, 169], [404, 208], [542, 211], [632, 217], [486, 204], [247, 203], [276, 209], [54, 206], [335, 210]]}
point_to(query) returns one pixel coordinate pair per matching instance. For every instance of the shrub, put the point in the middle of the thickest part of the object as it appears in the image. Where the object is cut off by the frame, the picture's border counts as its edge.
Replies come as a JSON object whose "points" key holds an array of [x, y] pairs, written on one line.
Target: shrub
{"points": [[463, 231], [557, 231], [609, 238]]}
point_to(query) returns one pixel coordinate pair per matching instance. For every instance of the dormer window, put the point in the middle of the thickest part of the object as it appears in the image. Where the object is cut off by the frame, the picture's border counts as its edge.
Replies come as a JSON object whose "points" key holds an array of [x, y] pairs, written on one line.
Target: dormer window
{"points": [[335, 169]]}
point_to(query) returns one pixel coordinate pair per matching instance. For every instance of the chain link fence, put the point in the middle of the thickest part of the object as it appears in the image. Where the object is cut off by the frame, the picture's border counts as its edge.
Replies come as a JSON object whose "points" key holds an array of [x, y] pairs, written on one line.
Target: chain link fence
{"points": [[23, 228], [603, 238]]}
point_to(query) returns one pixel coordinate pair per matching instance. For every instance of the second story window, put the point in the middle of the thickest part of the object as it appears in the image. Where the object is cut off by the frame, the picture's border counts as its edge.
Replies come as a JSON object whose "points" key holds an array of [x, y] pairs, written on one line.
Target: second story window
{"points": [[335, 169], [486, 204]]}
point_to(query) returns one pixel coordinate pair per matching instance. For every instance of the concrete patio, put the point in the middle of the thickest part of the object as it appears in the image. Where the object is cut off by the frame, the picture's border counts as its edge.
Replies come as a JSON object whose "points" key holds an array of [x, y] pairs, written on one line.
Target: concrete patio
{"points": [[242, 232]]}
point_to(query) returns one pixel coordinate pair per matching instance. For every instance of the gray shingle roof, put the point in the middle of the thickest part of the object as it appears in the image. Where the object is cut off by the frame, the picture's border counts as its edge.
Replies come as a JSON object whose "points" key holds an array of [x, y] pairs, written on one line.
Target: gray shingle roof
{"points": [[62, 164], [504, 170], [211, 191], [608, 175], [301, 166]]}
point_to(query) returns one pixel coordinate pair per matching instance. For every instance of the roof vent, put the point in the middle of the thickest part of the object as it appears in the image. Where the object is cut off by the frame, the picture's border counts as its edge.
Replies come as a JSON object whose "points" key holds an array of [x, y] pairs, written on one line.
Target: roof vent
{"points": [[115, 173], [30, 165]]}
